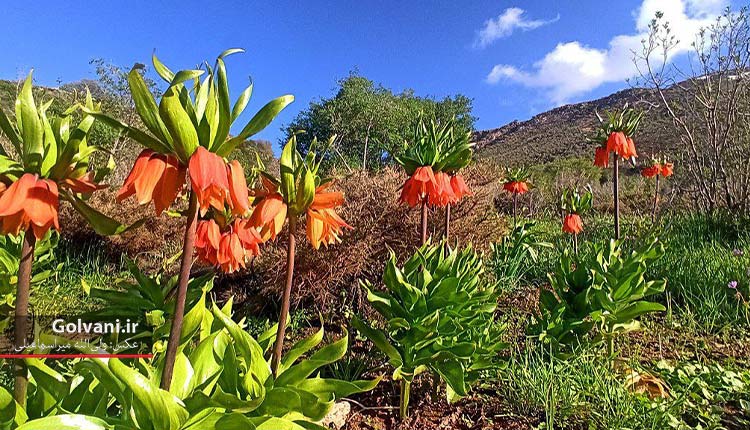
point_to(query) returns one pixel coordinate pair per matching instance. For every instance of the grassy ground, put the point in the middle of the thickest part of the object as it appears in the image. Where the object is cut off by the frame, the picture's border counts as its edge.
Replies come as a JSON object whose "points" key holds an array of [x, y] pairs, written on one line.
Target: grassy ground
{"points": [[699, 347]]}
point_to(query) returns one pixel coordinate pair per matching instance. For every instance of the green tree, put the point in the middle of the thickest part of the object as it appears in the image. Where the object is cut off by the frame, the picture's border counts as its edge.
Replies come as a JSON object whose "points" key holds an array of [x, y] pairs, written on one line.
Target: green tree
{"points": [[371, 121]]}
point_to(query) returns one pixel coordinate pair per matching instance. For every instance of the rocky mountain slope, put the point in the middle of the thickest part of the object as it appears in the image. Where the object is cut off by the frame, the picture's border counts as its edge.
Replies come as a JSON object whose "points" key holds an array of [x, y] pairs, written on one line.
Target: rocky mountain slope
{"points": [[561, 132]]}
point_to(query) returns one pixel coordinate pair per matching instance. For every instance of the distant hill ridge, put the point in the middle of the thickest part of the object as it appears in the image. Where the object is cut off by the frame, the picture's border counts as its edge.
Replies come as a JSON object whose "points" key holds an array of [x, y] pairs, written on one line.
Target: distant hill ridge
{"points": [[561, 132]]}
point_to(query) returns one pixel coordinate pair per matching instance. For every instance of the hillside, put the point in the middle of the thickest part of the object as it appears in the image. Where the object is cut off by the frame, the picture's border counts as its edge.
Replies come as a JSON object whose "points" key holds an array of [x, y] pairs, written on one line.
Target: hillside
{"points": [[561, 132]]}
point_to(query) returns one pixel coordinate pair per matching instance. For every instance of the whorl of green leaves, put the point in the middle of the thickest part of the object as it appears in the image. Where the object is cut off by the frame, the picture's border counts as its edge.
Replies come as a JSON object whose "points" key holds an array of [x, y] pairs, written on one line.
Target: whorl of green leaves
{"points": [[47, 146], [606, 293], [518, 174], [188, 116], [439, 317], [221, 381], [575, 202], [625, 120], [445, 147], [299, 175], [52, 148]]}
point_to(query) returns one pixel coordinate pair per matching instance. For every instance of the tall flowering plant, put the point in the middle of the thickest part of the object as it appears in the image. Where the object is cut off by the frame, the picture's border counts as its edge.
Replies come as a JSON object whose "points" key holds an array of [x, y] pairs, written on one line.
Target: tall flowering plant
{"points": [[656, 168], [516, 182], [186, 141], [299, 191], [51, 161], [432, 160], [615, 137], [574, 204]]}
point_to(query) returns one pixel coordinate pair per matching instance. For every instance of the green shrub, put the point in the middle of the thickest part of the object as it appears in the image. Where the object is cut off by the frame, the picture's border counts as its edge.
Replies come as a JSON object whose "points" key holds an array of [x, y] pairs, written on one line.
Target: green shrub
{"points": [[439, 318], [606, 293]]}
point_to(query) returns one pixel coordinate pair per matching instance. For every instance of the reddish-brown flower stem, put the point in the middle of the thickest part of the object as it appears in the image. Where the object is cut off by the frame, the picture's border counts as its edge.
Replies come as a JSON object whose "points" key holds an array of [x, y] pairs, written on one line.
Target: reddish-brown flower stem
{"points": [[21, 314], [285, 299], [656, 200], [616, 192], [447, 227], [188, 245], [424, 222], [515, 208]]}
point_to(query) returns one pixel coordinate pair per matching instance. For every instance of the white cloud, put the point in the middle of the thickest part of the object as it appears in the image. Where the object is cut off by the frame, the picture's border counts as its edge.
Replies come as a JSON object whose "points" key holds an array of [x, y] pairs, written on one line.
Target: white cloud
{"points": [[505, 24], [573, 68]]}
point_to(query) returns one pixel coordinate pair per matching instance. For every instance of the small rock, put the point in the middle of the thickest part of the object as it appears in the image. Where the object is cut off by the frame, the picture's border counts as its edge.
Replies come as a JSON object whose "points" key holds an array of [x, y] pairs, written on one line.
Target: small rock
{"points": [[336, 418]]}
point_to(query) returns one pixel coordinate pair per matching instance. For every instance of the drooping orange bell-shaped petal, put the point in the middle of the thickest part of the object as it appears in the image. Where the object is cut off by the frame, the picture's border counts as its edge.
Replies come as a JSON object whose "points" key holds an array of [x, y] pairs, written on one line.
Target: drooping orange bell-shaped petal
{"points": [[269, 216], [441, 192], [417, 188], [326, 199], [460, 189], [231, 255], [630, 149], [248, 235], [238, 191], [650, 171], [84, 185], [30, 202], [516, 187], [618, 143], [601, 158], [667, 169], [324, 226], [154, 177], [208, 177], [572, 224]]}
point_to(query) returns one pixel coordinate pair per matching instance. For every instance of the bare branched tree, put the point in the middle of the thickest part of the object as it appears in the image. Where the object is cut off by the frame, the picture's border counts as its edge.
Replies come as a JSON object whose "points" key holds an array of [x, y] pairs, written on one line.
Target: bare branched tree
{"points": [[705, 95]]}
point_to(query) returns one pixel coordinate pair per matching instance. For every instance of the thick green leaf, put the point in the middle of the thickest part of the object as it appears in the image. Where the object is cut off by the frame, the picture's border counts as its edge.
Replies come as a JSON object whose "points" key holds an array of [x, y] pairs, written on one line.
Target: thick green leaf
{"points": [[241, 103], [146, 106], [380, 340], [9, 132], [161, 69], [177, 121], [66, 422], [30, 127], [256, 124], [326, 355], [300, 348], [153, 406], [133, 133], [101, 223]]}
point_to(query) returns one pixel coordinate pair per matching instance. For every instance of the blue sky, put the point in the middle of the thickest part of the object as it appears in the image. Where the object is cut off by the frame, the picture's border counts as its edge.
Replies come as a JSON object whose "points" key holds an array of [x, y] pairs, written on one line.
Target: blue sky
{"points": [[514, 58]]}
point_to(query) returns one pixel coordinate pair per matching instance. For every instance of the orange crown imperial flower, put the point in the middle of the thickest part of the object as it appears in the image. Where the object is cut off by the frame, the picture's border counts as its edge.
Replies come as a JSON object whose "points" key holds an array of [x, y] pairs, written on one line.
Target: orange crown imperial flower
{"points": [[650, 171], [417, 188], [208, 178], [460, 189], [269, 215], [572, 224], [29, 202], [441, 192], [230, 250], [667, 169], [154, 177], [516, 187], [601, 158], [324, 225]]}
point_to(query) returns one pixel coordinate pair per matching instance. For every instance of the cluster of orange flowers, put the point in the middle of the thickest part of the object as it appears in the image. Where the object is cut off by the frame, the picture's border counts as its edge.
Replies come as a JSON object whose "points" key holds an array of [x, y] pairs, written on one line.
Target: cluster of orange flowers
{"points": [[33, 202], [572, 224], [664, 169], [437, 189], [618, 143], [230, 232]]}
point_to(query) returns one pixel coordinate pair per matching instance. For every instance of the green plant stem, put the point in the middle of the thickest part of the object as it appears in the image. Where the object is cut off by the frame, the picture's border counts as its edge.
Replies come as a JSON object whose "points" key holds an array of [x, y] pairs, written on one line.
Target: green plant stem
{"points": [[446, 229], [616, 192], [656, 200], [610, 345], [285, 299], [424, 222], [575, 243], [404, 405], [515, 208], [188, 244], [23, 286]]}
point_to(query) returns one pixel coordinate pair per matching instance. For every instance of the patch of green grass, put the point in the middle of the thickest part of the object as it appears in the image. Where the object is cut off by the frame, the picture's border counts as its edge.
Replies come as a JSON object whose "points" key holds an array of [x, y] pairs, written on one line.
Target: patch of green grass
{"points": [[703, 254], [80, 262]]}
